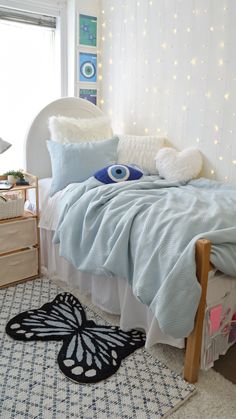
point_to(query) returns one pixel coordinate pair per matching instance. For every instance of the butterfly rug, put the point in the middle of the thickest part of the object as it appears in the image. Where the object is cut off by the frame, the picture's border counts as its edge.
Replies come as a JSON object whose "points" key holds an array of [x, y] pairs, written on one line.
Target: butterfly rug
{"points": [[90, 352], [60, 359]]}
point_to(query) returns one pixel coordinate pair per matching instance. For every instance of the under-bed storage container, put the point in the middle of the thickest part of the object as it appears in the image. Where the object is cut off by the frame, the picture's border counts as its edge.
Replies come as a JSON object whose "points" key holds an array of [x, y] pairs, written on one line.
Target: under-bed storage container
{"points": [[219, 328]]}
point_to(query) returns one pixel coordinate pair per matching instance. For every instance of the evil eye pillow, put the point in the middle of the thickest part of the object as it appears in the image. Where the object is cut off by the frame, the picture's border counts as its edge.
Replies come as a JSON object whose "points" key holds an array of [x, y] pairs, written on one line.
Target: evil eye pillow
{"points": [[118, 173]]}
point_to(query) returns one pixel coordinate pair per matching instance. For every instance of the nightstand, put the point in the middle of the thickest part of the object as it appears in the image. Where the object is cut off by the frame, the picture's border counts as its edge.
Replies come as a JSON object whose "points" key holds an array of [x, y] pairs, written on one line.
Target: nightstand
{"points": [[20, 240]]}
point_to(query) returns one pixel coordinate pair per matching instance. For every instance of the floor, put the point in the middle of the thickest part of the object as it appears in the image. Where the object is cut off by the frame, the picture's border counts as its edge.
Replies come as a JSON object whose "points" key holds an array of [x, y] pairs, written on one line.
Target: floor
{"points": [[226, 365]]}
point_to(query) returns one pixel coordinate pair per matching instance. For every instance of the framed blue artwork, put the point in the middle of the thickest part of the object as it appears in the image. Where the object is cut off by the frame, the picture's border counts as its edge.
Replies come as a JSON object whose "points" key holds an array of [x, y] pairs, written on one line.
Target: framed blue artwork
{"points": [[87, 67], [88, 30], [89, 94]]}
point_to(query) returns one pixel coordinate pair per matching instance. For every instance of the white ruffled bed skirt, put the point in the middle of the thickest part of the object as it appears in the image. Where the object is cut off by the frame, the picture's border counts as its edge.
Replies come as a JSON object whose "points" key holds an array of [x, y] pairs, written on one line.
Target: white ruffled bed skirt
{"points": [[113, 295]]}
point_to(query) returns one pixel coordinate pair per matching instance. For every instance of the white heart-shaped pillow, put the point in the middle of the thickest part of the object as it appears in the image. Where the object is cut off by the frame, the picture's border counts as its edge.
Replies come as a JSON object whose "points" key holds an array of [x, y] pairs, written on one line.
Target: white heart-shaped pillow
{"points": [[180, 166]]}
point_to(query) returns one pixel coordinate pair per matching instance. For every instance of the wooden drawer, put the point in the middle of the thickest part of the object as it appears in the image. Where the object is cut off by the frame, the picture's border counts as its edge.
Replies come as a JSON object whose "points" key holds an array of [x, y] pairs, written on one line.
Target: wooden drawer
{"points": [[17, 266], [17, 235]]}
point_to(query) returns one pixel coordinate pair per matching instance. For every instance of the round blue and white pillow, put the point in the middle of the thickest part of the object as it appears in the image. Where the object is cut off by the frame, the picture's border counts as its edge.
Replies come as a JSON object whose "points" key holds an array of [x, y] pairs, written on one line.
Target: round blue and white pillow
{"points": [[118, 173]]}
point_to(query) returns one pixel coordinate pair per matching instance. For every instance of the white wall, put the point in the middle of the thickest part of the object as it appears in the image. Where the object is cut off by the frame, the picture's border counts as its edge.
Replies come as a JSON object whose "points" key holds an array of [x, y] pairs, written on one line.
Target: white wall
{"points": [[169, 67]]}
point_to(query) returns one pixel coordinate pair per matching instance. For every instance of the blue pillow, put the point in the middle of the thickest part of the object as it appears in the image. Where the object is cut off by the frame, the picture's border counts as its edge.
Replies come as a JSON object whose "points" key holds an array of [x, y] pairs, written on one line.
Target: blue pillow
{"points": [[77, 162], [118, 173]]}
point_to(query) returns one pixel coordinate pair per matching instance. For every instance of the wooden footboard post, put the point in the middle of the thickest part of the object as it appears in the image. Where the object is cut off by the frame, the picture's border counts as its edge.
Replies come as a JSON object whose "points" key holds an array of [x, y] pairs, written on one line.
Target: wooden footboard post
{"points": [[194, 340]]}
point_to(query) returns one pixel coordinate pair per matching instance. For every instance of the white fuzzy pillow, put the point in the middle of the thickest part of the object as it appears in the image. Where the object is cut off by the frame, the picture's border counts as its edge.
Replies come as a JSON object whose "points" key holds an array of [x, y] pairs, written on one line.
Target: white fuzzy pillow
{"points": [[140, 150], [73, 130], [180, 166]]}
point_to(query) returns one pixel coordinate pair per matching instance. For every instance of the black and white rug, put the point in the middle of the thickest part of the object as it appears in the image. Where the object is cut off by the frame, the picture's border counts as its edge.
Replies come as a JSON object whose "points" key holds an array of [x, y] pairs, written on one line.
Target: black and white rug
{"points": [[90, 352], [32, 386]]}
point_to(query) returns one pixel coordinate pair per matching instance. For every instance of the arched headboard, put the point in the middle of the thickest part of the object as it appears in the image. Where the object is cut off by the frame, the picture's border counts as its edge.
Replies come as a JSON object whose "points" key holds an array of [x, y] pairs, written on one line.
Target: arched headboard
{"points": [[37, 156]]}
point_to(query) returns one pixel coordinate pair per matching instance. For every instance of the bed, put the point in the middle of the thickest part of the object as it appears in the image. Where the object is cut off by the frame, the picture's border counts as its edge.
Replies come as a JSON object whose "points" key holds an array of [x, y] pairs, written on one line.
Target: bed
{"points": [[113, 295]]}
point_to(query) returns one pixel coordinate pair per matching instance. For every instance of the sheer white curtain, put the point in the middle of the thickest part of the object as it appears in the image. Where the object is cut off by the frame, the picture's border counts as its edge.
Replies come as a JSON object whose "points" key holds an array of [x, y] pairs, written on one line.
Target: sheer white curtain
{"points": [[28, 81], [169, 67]]}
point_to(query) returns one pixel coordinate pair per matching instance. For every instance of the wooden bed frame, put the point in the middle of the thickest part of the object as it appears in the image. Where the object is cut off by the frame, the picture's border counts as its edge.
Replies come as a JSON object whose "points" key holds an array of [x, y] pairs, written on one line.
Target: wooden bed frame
{"points": [[194, 340], [36, 146]]}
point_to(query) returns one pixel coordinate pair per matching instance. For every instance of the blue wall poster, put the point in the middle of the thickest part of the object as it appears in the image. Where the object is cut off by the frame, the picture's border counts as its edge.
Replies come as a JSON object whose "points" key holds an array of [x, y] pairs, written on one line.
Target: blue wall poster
{"points": [[87, 67], [89, 94], [88, 30]]}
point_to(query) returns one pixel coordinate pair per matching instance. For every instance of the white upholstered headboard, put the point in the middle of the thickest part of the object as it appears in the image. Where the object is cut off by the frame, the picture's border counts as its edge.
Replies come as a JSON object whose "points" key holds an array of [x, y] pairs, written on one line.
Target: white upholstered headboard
{"points": [[37, 156]]}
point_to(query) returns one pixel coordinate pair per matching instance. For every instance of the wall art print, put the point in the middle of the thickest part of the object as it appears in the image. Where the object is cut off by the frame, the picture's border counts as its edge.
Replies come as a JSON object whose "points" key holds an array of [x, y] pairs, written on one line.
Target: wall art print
{"points": [[87, 67], [89, 94], [88, 30]]}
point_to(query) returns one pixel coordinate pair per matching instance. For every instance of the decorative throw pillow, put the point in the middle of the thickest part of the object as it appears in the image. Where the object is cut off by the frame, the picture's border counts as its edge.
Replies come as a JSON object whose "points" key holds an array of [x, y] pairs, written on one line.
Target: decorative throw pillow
{"points": [[140, 150], [118, 173], [180, 166], [77, 162], [73, 130]]}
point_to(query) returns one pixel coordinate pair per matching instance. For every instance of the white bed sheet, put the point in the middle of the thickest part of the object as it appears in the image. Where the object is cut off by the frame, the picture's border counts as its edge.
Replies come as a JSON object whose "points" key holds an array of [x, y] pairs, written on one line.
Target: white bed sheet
{"points": [[49, 207], [112, 295]]}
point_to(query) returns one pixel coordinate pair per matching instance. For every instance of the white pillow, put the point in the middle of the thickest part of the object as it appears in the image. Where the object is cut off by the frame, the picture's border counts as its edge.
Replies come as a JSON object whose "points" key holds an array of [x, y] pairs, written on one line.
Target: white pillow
{"points": [[64, 129], [140, 150], [181, 166]]}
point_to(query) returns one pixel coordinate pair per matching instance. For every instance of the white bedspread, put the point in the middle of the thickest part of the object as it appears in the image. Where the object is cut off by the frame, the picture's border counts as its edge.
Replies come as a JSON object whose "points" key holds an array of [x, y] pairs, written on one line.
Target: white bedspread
{"points": [[49, 207]]}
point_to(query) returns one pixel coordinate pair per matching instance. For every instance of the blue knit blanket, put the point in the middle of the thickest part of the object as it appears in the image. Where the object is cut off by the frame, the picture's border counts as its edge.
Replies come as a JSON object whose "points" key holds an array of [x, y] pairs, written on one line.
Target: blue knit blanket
{"points": [[145, 232]]}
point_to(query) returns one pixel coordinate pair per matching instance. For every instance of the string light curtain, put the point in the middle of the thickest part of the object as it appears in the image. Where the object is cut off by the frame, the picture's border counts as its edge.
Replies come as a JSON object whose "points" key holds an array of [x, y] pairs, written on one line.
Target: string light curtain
{"points": [[169, 68]]}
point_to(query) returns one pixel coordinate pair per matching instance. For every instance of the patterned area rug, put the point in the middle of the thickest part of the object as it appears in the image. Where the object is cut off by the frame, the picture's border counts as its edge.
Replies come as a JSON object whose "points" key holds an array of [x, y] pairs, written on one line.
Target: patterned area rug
{"points": [[90, 352], [31, 385]]}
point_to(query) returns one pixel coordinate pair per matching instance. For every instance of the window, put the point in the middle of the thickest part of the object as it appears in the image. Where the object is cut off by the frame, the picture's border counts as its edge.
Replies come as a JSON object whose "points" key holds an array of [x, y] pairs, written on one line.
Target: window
{"points": [[29, 78]]}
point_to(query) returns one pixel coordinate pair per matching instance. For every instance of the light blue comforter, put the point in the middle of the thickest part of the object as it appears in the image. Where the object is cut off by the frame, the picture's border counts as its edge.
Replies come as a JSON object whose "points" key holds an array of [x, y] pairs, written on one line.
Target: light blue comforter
{"points": [[145, 232]]}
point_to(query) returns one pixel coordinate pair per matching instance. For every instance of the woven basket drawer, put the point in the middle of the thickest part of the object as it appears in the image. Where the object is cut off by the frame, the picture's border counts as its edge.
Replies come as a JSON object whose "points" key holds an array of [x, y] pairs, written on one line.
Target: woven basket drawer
{"points": [[11, 208], [17, 266], [17, 235]]}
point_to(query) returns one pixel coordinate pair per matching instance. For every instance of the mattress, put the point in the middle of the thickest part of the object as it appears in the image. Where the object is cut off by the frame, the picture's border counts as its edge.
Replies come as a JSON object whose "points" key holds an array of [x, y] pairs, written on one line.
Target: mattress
{"points": [[115, 295]]}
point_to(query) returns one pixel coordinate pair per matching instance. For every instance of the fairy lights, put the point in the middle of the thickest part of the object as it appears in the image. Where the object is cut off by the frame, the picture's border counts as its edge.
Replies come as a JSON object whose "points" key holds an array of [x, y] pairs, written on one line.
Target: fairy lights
{"points": [[164, 45], [193, 61], [208, 94], [177, 80]]}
